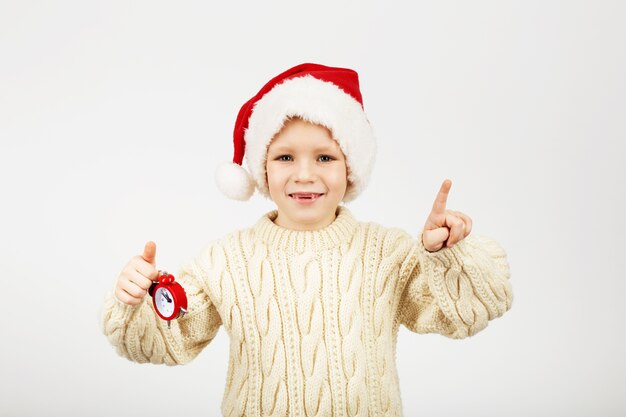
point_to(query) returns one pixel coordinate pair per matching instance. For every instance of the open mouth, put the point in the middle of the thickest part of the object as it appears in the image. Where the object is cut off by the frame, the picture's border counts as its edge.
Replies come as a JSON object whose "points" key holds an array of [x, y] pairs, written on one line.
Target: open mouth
{"points": [[304, 197]]}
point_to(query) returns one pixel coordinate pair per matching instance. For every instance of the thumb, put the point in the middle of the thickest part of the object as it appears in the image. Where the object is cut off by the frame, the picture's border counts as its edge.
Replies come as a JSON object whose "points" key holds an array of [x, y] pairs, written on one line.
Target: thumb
{"points": [[149, 253]]}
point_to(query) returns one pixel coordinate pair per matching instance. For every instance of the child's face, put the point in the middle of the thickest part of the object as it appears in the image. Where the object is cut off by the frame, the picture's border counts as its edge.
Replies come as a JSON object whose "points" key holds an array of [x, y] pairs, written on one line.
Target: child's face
{"points": [[306, 175]]}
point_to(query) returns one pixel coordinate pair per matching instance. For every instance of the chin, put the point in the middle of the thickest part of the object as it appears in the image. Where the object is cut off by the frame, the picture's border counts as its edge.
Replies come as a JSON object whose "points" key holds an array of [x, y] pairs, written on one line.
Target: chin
{"points": [[310, 219]]}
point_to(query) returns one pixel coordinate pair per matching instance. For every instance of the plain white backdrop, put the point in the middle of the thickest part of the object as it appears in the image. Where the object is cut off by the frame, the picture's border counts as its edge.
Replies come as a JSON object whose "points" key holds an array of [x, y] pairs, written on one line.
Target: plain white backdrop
{"points": [[114, 115]]}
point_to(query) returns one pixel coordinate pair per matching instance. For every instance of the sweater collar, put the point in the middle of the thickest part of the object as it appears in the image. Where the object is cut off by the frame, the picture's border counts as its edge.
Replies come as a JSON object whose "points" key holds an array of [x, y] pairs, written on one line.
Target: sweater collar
{"points": [[339, 231]]}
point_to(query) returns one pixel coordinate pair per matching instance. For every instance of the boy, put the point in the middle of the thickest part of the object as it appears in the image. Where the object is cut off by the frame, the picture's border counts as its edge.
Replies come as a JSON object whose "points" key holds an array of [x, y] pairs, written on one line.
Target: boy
{"points": [[311, 298]]}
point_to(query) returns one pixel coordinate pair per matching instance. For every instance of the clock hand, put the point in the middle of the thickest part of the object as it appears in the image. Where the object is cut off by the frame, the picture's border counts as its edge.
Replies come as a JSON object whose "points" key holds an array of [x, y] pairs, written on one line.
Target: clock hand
{"points": [[169, 300]]}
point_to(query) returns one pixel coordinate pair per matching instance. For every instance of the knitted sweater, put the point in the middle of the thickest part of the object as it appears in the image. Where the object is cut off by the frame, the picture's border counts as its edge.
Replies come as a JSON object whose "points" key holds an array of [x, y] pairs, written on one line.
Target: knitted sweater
{"points": [[313, 316]]}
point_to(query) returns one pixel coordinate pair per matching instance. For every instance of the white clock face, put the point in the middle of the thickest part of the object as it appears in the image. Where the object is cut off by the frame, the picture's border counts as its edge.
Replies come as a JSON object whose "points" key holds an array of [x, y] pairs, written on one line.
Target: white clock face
{"points": [[164, 302]]}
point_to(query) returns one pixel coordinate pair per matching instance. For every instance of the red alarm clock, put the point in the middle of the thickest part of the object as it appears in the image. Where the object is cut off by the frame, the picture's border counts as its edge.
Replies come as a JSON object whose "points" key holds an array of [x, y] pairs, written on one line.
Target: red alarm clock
{"points": [[168, 297]]}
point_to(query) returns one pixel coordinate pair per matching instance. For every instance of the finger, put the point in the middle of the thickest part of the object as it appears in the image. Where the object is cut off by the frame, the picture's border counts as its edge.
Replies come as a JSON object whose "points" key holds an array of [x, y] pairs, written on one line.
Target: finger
{"points": [[433, 240], [126, 298], [139, 279], [144, 268], [437, 217], [132, 289], [439, 206], [467, 220], [457, 228], [149, 252]]}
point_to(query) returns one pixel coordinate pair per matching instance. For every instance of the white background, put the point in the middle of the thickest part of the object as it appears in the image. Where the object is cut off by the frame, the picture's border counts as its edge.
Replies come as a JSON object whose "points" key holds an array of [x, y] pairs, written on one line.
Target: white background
{"points": [[114, 115]]}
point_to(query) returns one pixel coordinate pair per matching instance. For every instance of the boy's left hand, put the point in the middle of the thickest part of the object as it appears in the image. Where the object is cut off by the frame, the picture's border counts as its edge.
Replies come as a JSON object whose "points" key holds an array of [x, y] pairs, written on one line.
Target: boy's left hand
{"points": [[444, 227]]}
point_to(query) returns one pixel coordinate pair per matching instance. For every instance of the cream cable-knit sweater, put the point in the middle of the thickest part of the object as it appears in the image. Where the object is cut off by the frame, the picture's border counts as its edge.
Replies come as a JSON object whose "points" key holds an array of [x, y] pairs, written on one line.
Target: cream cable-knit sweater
{"points": [[313, 316]]}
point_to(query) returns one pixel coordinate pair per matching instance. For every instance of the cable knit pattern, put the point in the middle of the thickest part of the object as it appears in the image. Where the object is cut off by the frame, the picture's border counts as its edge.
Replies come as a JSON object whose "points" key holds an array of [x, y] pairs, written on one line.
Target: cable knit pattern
{"points": [[458, 290], [313, 316]]}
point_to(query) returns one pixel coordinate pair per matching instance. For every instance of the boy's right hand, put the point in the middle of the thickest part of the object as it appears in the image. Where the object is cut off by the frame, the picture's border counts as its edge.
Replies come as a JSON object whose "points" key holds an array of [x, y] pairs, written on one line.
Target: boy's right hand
{"points": [[137, 276]]}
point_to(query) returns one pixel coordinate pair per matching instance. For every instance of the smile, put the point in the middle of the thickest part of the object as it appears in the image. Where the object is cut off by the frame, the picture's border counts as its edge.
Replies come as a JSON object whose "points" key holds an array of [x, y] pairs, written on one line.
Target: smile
{"points": [[305, 198]]}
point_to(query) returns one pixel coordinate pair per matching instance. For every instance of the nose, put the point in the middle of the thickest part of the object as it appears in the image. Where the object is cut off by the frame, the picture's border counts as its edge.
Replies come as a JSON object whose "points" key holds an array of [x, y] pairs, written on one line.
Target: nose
{"points": [[304, 172]]}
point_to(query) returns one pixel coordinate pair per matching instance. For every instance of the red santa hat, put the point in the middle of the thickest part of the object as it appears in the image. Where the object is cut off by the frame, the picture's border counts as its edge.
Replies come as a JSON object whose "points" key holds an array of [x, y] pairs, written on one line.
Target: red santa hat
{"points": [[327, 96]]}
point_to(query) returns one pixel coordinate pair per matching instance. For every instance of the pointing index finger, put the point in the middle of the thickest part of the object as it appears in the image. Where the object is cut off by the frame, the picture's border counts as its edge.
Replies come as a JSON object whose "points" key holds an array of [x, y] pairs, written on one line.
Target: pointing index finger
{"points": [[439, 206]]}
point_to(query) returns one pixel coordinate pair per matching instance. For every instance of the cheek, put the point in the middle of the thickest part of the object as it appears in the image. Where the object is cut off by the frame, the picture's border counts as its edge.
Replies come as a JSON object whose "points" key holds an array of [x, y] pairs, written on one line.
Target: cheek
{"points": [[274, 178], [339, 178]]}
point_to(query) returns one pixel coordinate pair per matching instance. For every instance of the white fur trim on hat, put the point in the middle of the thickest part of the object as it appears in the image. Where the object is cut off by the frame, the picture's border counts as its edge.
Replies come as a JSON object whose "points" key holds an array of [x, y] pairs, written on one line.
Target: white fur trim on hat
{"points": [[319, 102], [234, 181]]}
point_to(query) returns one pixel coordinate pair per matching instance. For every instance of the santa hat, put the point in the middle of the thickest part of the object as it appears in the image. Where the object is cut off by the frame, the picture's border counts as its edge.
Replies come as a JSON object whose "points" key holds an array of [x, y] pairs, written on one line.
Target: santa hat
{"points": [[323, 95]]}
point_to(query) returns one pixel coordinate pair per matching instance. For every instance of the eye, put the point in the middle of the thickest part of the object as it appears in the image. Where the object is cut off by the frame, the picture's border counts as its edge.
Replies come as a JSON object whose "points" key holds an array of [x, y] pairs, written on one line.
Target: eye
{"points": [[284, 158], [326, 158]]}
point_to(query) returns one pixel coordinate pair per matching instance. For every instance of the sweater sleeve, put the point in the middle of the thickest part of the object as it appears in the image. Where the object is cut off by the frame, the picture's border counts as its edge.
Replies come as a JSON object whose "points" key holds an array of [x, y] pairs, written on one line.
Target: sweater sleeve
{"points": [[141, 336], [456, 291]]}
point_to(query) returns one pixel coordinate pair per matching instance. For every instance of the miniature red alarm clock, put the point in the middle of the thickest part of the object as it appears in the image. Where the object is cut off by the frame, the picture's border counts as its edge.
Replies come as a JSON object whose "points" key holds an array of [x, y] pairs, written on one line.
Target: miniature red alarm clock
{"points": [[168, 297]]}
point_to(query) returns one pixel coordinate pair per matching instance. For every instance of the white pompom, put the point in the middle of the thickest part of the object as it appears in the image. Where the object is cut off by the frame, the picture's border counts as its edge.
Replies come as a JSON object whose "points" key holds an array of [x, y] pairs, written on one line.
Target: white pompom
{"points": [[234, 181]]}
